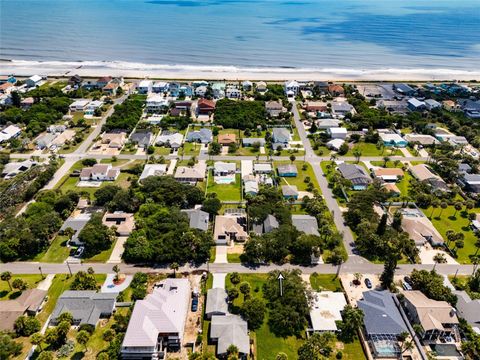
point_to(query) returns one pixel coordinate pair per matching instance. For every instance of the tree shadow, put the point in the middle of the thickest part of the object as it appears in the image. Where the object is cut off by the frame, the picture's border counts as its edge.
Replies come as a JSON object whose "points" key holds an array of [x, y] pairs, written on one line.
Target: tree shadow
{"points": [[78, 355], [15, 294], [453, 218], [3, 293]]}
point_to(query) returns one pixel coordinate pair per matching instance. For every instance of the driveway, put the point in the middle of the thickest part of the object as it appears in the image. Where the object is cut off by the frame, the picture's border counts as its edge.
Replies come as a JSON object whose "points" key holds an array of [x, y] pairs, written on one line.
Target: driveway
{"points": [[219, 280], [221, 254], [116, 256]]}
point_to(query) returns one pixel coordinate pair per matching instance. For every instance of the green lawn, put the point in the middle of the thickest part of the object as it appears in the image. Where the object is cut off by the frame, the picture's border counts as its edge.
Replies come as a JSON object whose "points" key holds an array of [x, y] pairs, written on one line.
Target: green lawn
{"points": [[102, 256], [298, 181], [404, 183], [352, 351], [325, 282], [458, 223], [31, 279], [70, 184], [57, 252], [225, 192], [233, 258], [162, 150], [267, 344], [369, 149], [191, 148]]}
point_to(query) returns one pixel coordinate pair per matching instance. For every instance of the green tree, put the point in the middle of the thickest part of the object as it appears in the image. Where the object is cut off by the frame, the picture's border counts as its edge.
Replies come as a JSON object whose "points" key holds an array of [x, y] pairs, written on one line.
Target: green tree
{"points": [[386, 278], [352, 320], [443, 206], [116, 270], [82, 338], [8, 347], [212, 205], [7, 276], [108, 335], [245, 288], [46, 355], [319, 346], [174, 266], [37, 340], [431, 284], [357, 153], [235, 278], [292, 158], [281, 356], [19, 284], [232, 293], [84, 281], [26, 325], [253, 311], [458, 206]]}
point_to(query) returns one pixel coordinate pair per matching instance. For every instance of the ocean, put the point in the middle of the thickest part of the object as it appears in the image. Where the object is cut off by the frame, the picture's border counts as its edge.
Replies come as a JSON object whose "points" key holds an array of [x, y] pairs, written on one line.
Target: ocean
{"points": [[301, 34]]}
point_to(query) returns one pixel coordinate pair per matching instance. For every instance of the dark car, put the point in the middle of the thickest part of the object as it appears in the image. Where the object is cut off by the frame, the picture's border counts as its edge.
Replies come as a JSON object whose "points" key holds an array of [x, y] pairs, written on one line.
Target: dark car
{"points": [[194, 304], [368, 283], [408, 280]]}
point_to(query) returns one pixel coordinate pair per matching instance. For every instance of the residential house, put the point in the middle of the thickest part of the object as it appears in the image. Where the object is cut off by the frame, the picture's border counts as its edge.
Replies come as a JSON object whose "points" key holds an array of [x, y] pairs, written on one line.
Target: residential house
{"points": [[185, 90], [63, 138], [27, 103], [340, 109], [420, 228], [205, 107], [76, 222], [322, 86], [306, 223], [316, 106], [103, 81], [280, 137], [262, 168], [422, 173], [29, 303], [392, 189], [168, 139], [268, 225], [6, 88], [10, 132], [110, 89], [431, 104], [160, 87], [326, 310], [33, 81], [79, 105], [202, 90], [437, 318], [287, 170], [388, 174], [335, 144], [124, 223], [403, 89], [156, 103], [450, 105], [218, 89], [181, 108], [153, 170], [200, 83], [226, 330], [56, 129], [471, 182], [144, 87], [274, 108], [468, 309], [336, 90], [356, 174], [471, 108], [157, 323], [216, 302], [247, 85], [92, 106], [75, 80], [99, 172], [44, 141], [325, 124], [261, 86], [226, 139], [250, 185], [383, 322], [191, 174], [464, 168], [203, 136], [392, 139], [424, 140], [415, 105], [337, 132], [291, 88], [458, 141], [143, 139], [114, 140], [12, 169], [233, 93], [7, 78], [246, 142], [198, 218], [221, 168], [86, 306], [229, 228], [290, 192]]}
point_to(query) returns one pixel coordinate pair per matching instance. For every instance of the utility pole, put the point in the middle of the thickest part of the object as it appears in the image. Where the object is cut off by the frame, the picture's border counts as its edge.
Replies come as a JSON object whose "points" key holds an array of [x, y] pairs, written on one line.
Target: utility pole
{"points": [[69, 269], [41, 273]]}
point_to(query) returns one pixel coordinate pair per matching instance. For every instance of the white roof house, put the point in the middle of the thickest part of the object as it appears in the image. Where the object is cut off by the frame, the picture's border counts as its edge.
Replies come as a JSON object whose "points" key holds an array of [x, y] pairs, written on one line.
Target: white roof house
{"points": [[262, 168], [337, 132], [163, 312], [153, 170], [247, 167], [9, 132], [144, 87], [173, 140], [79, 105], [326, 310], [156, 102], [335, 144], [221, 167]]}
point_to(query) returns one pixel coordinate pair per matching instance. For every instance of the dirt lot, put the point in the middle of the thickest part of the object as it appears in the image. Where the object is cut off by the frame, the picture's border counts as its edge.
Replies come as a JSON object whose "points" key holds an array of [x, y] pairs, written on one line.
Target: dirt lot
{"points": [[355, 292]]}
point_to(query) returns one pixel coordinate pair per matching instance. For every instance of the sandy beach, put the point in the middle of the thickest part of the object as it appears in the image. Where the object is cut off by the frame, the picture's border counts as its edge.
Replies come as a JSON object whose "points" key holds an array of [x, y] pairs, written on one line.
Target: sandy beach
{"points": [[135, 70]]}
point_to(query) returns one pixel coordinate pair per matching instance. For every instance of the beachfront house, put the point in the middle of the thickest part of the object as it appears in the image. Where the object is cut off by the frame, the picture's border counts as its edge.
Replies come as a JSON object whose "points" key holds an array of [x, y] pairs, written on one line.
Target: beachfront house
{"points": [[291, 88], [160, 87], [144, 87], [33, 81]]}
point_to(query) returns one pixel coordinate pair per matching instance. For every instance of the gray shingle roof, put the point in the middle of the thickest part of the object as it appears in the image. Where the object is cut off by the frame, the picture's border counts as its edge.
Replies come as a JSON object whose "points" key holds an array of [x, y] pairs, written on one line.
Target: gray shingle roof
{"points": [[86, 306], [381, 315], [306, 223], [216, 302], [230, 330], [355, 173], [468, 309], [198, 219]]}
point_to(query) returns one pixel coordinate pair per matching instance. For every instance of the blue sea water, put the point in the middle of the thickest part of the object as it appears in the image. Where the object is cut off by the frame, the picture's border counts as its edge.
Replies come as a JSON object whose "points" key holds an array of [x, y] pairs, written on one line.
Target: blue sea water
{"points": [[355, 34]]}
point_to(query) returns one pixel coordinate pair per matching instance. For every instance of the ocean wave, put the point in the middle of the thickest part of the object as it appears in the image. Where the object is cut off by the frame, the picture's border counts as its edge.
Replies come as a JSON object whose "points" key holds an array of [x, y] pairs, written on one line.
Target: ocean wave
{"points": [[123, 66]]}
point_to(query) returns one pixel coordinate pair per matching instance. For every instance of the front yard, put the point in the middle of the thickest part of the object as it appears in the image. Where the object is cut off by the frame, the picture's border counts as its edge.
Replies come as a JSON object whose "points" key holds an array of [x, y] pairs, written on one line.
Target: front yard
{"points": [[225, 192], [369, 149], [298, 181]]}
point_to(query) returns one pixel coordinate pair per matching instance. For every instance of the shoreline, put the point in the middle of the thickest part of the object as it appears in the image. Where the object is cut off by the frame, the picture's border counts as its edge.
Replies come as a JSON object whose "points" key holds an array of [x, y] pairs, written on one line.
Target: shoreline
{"points": [[230, 73]]}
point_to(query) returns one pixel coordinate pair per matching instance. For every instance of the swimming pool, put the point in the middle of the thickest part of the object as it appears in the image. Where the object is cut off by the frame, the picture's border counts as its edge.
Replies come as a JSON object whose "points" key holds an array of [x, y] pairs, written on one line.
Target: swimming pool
{"points": [[224, 179]]}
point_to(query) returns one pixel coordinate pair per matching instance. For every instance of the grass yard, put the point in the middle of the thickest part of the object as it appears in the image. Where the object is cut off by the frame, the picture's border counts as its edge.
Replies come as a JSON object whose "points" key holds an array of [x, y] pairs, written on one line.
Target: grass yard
{"points": [[70, 184], [191, 148], [325, 282], [57, 251], [31, 279], [162, 150], [102, 256], [404, 183], [267, 344], [369, 149], [225, 192], [298, 181], [458, 223], [233, 258], [352, 351]]}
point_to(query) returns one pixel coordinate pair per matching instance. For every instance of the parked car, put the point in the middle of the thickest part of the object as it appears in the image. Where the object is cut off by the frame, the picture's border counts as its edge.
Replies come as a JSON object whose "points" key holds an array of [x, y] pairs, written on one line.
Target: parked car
{"points": [[79, 252], [406, 286], [408, 280], [368, 283], [194, 304]]}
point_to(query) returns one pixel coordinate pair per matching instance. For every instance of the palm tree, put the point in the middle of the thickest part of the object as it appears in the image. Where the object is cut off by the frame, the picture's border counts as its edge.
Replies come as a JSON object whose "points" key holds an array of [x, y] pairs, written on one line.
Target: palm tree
{"points": [[443, 206], [82, 338], [7, 276], [458, 206], [116, 269], [174, 266], [451, 235], [357, 153], [292, 158], [386, 159], [469, 205], [439, 258], [435, 204]]}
